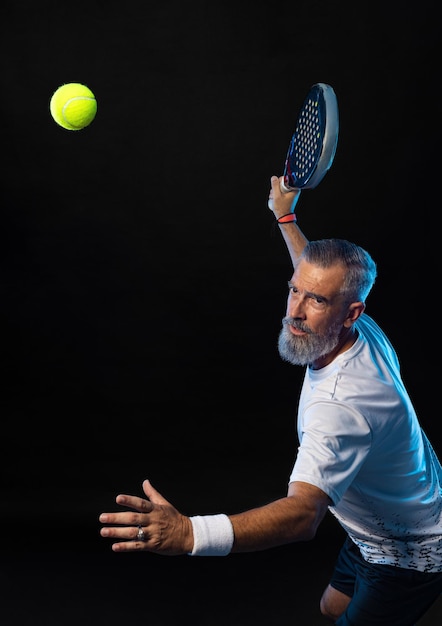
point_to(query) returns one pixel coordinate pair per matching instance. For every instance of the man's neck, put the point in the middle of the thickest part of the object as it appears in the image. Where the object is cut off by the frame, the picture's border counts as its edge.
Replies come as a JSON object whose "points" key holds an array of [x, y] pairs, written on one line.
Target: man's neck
{"points": [[346, 340]]}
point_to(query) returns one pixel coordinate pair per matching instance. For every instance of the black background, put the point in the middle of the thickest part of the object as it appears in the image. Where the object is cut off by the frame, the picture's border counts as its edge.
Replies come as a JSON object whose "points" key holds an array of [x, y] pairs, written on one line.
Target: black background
{"points": [[143, 280]]}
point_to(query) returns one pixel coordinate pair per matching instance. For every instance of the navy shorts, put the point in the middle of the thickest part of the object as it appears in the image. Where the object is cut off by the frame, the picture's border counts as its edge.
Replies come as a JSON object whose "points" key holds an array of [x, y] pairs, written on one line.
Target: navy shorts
{"points": [[382, 594]]}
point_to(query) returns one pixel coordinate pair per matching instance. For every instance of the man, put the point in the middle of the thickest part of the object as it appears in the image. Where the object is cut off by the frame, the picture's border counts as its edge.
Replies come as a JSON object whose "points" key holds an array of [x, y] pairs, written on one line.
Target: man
{"points": [[362, 452]]}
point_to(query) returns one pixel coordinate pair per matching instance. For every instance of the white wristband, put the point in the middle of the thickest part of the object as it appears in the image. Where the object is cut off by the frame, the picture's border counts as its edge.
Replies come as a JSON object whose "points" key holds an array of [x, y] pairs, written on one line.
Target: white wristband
{"points": [[212, 535]]}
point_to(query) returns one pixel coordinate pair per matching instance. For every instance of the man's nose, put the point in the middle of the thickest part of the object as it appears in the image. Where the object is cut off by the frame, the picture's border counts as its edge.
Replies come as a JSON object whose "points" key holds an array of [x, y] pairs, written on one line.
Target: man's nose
{"points": [[295, 307]]}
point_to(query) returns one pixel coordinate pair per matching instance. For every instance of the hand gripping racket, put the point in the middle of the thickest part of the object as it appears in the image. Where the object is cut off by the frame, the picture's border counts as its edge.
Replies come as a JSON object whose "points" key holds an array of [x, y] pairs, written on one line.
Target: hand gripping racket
{"points": [[313, 144]]}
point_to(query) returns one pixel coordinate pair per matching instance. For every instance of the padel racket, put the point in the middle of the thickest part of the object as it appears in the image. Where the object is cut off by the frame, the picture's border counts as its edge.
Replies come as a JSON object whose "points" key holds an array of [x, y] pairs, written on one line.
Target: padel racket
{"points": [[313, 144]]}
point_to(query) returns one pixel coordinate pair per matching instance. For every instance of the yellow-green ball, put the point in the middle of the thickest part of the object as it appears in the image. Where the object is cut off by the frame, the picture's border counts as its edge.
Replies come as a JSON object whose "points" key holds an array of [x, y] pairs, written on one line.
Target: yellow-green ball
{"points": [[73, 106]]}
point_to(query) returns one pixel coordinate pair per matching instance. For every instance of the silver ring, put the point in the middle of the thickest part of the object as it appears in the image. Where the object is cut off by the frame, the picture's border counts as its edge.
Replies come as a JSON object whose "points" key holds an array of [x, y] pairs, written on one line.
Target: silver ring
{"points": [[140, 534]]}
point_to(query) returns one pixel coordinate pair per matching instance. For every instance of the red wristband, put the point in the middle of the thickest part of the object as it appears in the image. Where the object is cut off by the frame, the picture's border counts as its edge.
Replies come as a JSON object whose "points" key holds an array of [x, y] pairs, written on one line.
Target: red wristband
{"points": [[288, 217]]}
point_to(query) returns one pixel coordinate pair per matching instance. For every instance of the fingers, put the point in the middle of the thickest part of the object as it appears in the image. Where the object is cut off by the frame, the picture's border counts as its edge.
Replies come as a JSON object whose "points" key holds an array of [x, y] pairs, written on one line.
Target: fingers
{"points": [[153, 495], [274, 185], [129, 538], [129, 546], [123, 533], [130, 529], [275, 182], [125, 525], [134, 502], [126, 518]]}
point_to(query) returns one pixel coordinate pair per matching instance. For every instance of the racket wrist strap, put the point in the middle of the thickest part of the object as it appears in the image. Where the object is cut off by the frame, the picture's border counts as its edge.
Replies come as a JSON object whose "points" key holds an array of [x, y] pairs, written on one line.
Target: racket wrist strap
{"points": [[285, 219]]}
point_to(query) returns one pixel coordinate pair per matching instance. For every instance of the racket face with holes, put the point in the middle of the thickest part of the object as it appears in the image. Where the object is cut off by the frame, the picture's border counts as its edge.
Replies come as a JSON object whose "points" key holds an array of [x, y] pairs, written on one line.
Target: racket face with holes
{"points": [[313, 144]]}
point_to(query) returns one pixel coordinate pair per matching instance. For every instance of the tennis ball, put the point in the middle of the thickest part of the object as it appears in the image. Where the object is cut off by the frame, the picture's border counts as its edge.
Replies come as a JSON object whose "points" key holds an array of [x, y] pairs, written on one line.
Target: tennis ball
{"points": [[73, 106]]}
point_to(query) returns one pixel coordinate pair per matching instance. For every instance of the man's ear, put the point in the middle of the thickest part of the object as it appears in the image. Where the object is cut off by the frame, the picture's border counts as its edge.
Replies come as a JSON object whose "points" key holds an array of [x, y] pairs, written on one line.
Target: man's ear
{"points": [[354, 311]]}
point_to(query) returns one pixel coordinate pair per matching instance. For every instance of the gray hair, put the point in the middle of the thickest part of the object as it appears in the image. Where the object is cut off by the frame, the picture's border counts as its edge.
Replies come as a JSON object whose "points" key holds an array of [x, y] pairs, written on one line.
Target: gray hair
{"points": [[360, 268]]}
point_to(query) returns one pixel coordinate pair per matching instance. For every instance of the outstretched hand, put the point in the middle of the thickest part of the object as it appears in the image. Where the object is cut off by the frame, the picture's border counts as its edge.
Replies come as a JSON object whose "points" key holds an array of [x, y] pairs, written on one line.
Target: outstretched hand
{"points": [[152, 524]]}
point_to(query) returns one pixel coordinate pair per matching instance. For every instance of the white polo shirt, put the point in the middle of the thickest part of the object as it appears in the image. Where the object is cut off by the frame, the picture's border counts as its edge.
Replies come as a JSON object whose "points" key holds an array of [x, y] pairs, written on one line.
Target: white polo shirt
{"points": [[361, 443]]}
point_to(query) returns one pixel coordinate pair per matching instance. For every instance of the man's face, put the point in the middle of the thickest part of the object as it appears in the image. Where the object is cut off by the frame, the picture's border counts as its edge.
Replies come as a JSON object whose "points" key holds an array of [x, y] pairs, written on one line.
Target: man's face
{"points": [[316, 311]]}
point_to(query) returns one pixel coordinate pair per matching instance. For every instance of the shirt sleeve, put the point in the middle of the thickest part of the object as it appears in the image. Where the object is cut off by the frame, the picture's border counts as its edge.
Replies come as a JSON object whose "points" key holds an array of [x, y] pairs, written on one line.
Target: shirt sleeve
{"points": [[334, 442]]}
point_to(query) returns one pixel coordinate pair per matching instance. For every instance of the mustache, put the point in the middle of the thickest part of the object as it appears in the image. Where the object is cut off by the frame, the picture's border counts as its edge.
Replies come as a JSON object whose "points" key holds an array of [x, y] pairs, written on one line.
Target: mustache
{"points": [[292, 321]]}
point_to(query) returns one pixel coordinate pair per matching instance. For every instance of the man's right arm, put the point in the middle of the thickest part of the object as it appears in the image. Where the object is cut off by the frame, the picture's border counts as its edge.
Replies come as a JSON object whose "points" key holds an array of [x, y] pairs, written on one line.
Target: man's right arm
{"points": [[284, 203]]}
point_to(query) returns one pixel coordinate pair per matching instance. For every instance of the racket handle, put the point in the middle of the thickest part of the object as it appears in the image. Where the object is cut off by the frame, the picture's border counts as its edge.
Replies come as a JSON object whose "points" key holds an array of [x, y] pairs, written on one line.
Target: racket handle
{"points": [[283, 188]]}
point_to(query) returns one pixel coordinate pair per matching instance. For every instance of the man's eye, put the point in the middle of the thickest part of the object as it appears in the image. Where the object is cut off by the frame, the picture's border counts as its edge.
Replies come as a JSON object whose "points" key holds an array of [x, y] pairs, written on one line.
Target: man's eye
{"points": [[318, 301]]}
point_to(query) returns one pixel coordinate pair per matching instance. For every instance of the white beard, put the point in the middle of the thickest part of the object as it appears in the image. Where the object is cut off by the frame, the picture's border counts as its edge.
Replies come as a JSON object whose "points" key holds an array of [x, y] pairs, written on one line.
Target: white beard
{"points": [[305, 349]]}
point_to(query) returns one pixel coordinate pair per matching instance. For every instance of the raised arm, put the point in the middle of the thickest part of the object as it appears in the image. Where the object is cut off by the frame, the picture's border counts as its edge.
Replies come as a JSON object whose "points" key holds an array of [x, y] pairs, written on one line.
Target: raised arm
{"points": [[283, 204]]}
